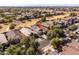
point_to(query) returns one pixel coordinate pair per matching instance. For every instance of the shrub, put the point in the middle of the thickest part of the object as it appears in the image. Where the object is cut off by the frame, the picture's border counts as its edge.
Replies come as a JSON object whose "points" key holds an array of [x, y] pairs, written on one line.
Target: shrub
{"points": [[72, 27], [7, 20], [12, 26], [73, 14]]}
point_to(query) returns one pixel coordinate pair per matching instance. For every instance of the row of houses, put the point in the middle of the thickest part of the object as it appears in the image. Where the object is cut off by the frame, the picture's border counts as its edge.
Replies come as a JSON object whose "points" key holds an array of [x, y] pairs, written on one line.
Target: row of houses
{"points": [[13, 36]]}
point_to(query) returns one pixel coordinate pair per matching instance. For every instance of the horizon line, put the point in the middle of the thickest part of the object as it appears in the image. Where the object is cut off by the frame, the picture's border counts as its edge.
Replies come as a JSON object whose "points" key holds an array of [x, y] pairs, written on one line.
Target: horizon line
{"points": [[27, 5]]}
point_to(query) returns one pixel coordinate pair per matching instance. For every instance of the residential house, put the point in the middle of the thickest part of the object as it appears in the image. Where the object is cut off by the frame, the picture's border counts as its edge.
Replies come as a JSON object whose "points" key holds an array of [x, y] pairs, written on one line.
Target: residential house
{"points": [[8, 13], [37, 29], [29, 16], [13, 36], [71, 21], [44, 24], [39, 25], [26, 31], [61, 24]]}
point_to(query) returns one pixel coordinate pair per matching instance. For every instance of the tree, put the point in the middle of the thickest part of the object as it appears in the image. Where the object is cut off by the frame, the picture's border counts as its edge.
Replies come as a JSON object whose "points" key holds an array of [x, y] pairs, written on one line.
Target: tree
{"points": [[24, 41], [49, 14], [30, 51], [33, 43], [27, 45], [15, 50], [10, 50], [59, 32], [72, 27], [56, 32], [49, 34], [73, 14], [54, 42], [43, 19], [2, 15]]}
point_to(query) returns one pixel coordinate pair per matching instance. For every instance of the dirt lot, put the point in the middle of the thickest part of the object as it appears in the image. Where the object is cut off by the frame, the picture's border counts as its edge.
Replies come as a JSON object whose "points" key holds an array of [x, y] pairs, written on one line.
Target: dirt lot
{"points": [[71, 49]]}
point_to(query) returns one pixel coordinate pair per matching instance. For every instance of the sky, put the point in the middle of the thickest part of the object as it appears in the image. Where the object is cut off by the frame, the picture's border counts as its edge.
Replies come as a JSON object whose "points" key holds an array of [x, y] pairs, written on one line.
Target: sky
{"points": [[39, 3]]}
